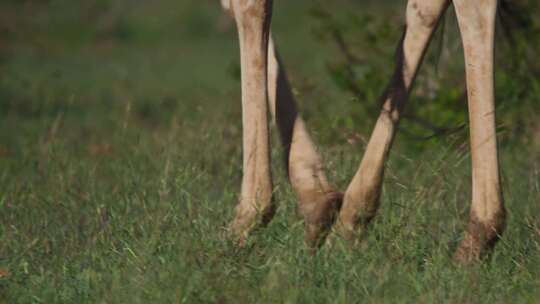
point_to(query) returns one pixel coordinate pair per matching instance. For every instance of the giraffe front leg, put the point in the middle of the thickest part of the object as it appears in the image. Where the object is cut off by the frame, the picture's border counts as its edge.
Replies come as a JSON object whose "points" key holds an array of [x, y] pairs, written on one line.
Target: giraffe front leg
{"points": [[255, 202], [318, 202], [487, 215], [361, 199]]}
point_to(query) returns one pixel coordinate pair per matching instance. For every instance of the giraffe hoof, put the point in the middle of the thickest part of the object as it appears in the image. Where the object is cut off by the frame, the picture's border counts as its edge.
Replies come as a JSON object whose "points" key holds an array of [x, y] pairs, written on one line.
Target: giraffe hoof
{"points": [[236, 235], [248, 219], [468, 253], [480, 238], [322, 218]]}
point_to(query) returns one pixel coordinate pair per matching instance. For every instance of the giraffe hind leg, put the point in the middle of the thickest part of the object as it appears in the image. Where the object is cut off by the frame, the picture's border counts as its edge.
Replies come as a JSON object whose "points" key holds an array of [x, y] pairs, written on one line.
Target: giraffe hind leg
{"points": [[318, 202]]}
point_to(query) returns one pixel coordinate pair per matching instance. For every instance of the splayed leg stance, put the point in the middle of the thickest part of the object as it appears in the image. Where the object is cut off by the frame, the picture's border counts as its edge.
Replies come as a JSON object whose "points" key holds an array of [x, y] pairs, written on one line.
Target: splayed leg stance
{"points": [[317, 198], [265, 88]]}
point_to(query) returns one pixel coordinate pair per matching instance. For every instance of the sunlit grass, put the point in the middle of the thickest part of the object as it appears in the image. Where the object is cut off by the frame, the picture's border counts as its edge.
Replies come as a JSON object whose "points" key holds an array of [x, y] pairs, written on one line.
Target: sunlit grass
{"points": [[120, 162]]}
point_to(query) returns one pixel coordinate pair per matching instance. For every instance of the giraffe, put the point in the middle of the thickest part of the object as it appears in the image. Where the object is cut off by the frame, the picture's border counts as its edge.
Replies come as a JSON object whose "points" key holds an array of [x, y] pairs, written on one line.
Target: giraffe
{"points": [[325, 210]]}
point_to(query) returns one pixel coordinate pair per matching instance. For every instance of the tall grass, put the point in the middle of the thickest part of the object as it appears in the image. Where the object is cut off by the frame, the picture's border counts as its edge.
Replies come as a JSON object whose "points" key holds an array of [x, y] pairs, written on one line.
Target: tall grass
{"points": [[120, 162]]}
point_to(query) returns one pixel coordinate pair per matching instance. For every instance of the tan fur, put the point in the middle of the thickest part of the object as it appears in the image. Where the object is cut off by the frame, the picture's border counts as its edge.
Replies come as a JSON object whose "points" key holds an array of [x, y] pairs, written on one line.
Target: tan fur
{"points": [[265, 87], [318, 201], [253, 19], [487, 216], [362, 196]]}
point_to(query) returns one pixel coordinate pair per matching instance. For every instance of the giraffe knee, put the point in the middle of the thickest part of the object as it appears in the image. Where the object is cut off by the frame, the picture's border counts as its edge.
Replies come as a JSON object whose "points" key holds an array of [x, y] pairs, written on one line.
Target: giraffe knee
{"points": [[251, 15], [249, 8], [423, 14]]}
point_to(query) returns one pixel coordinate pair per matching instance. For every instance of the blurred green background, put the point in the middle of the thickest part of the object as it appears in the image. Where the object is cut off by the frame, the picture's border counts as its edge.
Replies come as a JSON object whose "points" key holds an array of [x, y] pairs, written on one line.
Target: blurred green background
{"points": [[120, 155], [183, 56]]}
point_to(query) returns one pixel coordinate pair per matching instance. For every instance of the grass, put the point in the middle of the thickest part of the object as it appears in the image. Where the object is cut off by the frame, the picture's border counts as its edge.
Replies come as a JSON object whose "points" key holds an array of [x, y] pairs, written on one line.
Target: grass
{"points": [[120, 164]]}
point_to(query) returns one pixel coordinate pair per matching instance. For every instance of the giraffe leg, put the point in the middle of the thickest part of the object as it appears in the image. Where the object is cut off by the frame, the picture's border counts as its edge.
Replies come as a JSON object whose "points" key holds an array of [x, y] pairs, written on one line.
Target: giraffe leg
{"points": [[318, 201], [255, 202], [487, 215], [361, 199]]}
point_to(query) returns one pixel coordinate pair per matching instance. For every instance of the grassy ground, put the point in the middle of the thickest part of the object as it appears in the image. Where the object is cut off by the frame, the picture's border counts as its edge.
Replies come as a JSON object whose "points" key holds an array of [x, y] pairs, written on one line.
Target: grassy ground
{"points": [[120, 161]]}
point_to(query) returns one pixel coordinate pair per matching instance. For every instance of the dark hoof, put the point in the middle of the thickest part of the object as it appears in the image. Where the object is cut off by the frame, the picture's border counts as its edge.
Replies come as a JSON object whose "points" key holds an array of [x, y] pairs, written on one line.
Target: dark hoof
{"points": [[318, 224]]}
